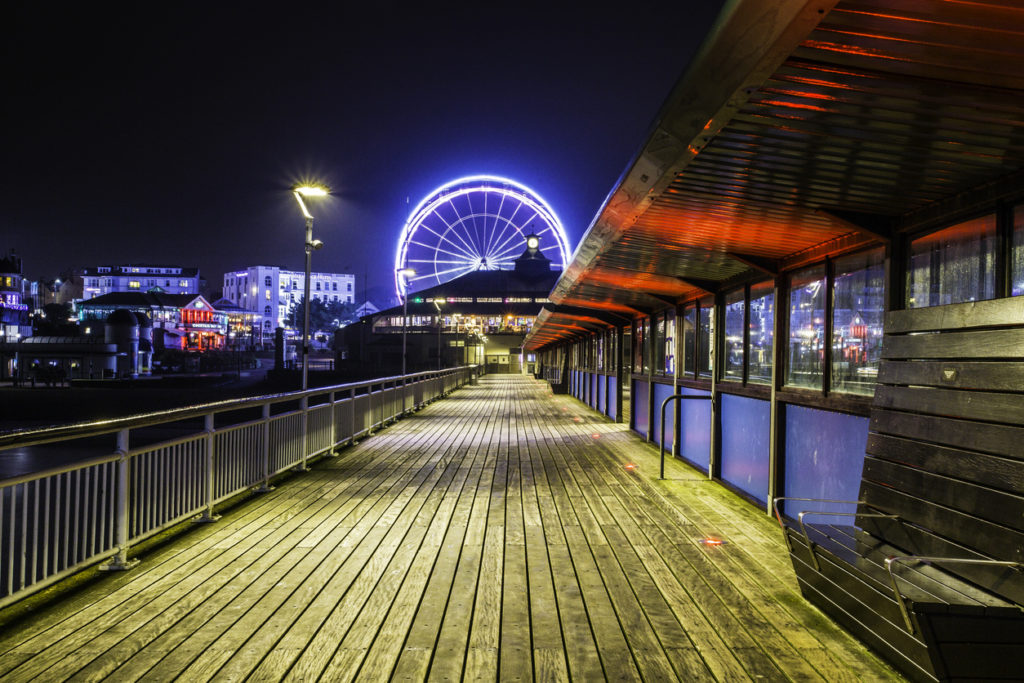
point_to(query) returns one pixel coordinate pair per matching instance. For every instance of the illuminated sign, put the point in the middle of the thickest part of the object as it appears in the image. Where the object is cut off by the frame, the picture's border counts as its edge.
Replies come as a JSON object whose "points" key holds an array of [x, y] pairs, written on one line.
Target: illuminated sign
{"points": [[202, 326]]}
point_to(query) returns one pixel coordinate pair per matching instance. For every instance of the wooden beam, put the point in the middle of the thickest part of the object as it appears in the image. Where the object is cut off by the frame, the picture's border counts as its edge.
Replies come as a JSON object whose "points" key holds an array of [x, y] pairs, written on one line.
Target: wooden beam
{"points": [[768, 266], [871, 225], [579, 311], [709, 286]]}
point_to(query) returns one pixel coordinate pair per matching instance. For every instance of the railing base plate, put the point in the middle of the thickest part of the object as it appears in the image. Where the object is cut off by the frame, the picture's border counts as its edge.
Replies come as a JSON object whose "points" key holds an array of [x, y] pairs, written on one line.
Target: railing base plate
{"points": [[116, 565]]}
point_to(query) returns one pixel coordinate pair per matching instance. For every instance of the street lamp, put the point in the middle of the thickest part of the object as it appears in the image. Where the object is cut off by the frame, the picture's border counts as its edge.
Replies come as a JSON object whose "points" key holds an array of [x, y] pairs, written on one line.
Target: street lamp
{"points": [[311, 244], [404, 274], [438, 307]]}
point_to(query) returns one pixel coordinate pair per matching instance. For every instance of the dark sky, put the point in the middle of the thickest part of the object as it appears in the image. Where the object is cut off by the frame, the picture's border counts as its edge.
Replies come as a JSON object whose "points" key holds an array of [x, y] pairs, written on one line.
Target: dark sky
{"points": [[170, 132]]}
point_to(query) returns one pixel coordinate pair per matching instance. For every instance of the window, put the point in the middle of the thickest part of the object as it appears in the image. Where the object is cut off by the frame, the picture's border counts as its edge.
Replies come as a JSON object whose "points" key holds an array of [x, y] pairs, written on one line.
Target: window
{"points": [[806, 328], [183, 283], [953, 265], [669, 353], [858, 304], [167, 283], [266, 293], [735, 309], [762, 328], [689, 332], [134, 284], [645, 347], [638, 346], [318, 286], [349, 287], [705, 331], [659, 344], [334, 286], [266, 310], [266, 324], [267, 282], [335, 297]]}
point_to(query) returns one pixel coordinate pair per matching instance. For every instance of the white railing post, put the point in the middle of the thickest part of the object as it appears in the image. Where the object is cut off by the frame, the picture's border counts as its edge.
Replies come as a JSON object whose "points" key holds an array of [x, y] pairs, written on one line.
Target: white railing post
{"points": [[334, 427], [265, 455], [211, 465], [120, 561], [304, 407], [352, 398]]}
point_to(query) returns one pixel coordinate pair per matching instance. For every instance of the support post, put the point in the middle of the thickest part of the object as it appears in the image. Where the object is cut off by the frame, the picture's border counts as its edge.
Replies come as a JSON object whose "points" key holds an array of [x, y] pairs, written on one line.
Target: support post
{"points": [[265, 486], [211, 463], [120, 561]]}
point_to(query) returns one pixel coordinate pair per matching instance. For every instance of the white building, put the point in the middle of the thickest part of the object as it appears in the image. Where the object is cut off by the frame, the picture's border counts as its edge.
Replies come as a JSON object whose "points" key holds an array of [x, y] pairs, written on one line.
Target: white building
{"points": [[271, 291], [137, 278]]}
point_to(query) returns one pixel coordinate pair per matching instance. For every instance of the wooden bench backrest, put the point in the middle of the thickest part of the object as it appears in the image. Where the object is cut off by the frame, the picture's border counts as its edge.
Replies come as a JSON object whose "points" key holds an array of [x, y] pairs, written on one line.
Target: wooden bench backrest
{"points": [[946, 443]]}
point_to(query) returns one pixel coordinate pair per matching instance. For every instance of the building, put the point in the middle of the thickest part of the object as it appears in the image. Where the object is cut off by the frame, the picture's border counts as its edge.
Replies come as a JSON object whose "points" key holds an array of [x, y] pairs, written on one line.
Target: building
{"points": [[245, 328], [13, 310], [271, 292], [89, 283], [180, 321], [481, 318]]}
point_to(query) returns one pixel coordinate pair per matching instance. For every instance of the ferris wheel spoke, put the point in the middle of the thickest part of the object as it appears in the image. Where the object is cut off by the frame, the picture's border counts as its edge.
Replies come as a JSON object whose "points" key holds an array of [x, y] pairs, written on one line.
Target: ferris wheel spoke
{"points": [[462, 222], [468, 252], [463, 269], [436, 248], [519, 231], [495, 245], [452, 228], [497, 220]]}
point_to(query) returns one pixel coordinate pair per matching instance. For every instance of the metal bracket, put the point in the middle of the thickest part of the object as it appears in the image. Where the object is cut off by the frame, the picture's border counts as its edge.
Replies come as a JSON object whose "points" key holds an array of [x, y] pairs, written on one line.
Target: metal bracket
{"points": [[901, 602], [811, 545]]}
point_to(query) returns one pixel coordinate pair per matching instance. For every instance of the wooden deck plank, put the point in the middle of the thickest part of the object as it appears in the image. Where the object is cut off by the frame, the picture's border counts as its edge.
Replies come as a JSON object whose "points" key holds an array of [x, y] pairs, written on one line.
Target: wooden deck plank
{"points": [[496, 536]]}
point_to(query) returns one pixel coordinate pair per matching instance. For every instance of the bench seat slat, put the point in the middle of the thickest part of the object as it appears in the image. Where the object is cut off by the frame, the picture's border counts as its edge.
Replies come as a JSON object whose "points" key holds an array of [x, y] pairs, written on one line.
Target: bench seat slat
{"points": [[998, 507], [971, 314], [979, 468], [984, 375], [1002, 440], [968, 405], [1003, 343]]}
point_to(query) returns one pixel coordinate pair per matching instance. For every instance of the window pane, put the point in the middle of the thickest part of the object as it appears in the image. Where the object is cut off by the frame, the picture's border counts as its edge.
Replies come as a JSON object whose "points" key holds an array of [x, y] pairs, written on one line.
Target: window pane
{"points": [[670, 342], [689, 340], [734, 306], [858, 302], [762, 322], [638, 347], [600, 350], [806, 328], [659, 344], [1017, 265], [646, 347], [953, 265], [705, 330]]}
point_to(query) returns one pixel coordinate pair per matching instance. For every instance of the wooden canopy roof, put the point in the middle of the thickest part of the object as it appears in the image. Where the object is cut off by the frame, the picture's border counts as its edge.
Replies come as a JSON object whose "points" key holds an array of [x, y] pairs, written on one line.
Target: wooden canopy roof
{"points": [[801, 128]]}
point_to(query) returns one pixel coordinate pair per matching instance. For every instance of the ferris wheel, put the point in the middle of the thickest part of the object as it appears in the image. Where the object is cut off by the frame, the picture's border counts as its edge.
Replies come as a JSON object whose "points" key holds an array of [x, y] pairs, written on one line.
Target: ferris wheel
{"points": [[474, 223]]}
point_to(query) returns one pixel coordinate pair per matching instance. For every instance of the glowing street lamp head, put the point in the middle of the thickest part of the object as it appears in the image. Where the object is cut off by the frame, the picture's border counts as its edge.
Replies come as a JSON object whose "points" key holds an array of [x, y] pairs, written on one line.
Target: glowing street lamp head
{"points": [[311, 190], [532, 241], [301, 191]]}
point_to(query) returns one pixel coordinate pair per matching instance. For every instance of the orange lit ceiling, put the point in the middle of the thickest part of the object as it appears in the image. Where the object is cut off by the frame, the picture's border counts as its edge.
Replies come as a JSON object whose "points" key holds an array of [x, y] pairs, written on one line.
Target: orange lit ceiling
{"points": [[801, 127]]}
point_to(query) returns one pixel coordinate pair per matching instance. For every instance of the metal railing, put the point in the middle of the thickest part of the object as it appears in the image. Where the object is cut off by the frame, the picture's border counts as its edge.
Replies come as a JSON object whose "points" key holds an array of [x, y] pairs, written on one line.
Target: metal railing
{"points": [[61, 520]]}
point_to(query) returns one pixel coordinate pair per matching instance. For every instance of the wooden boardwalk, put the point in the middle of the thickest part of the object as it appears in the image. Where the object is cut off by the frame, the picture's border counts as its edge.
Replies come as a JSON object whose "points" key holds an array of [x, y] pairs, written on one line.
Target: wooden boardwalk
{"points": [[495, 534]]}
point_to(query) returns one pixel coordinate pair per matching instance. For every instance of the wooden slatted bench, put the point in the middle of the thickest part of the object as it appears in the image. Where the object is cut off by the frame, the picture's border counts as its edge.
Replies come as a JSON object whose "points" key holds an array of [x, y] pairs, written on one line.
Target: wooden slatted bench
{"points": [[929, 573]]}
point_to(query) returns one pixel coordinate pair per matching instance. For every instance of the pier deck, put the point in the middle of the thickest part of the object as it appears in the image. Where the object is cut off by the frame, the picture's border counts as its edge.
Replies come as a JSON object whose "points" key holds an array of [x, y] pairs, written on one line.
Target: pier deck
{"points": [[496, 533]]}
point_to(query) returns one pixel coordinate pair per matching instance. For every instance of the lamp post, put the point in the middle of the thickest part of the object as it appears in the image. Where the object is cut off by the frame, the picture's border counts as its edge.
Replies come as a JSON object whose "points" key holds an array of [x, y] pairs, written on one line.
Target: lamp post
{"points": [[405, 274], [310, 245], [438, 307]]}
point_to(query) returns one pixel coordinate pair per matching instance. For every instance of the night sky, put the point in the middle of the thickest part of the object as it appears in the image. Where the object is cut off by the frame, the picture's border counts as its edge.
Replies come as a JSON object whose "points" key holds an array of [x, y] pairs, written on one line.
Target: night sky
{"points": [[170, 133]]}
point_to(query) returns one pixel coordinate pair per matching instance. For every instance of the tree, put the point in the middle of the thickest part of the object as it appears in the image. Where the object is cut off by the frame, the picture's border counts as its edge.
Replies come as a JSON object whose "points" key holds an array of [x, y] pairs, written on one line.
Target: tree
{"points": [[55, 320], [323, 316]]}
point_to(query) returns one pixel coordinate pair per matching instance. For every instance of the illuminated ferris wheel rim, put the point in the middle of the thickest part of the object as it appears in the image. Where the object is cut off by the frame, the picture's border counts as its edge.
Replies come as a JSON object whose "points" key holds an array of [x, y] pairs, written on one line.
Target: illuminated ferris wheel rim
{"points": [[463, 187]]}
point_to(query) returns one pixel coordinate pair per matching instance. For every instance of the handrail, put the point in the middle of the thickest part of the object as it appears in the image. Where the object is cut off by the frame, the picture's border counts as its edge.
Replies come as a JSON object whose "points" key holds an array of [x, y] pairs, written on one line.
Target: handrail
{"points": [[811, 545], [890, 561], [131, 493], [37, 436], [681, 397]]}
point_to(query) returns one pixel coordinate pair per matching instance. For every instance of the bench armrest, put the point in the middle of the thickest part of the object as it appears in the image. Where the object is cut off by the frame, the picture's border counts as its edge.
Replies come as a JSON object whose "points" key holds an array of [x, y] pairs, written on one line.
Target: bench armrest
{"points": [[811, 544], [778, 515], [890, 561]]}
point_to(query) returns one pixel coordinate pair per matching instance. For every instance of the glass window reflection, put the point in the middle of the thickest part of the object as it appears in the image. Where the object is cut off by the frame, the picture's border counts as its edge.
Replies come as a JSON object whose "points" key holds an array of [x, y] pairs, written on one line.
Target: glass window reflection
{"points": [[806, 328], [762, 321], [953, 265], [858, 302], [734, 310]]}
